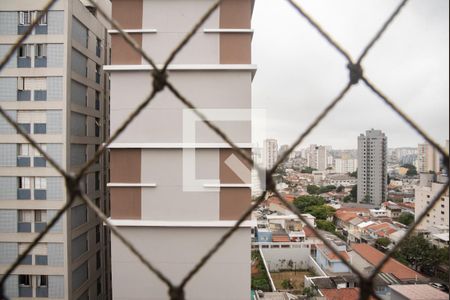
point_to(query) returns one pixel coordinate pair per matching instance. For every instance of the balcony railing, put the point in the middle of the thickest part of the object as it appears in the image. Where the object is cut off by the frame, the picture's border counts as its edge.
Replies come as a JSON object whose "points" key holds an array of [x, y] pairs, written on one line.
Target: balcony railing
{"points": [[23, 95], [40, 128], [40, 95], [24, 62], [25, 291], [40, 194], [23, 194], [41, 29], [25, 127], [23, 227], [41, 260], [27, 260], [39, 226], [21, 29], [23, 161], [42, 292], [40, 62], [40, 162]]}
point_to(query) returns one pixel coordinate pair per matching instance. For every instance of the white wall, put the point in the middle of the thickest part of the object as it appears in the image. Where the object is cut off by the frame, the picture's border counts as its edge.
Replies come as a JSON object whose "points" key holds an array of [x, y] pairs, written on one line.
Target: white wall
{"points": [[274, 257]]}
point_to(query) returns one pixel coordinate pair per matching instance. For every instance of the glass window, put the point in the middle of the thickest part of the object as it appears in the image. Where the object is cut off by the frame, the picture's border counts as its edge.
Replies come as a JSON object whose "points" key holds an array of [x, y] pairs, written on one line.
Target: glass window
{"points": [[41, 50], [25, 216], [40, 183], [24, 51], [43, 16], [42, 281], [24, 280], [24, 182], [24, 18], [40, 216], [24, 150]]}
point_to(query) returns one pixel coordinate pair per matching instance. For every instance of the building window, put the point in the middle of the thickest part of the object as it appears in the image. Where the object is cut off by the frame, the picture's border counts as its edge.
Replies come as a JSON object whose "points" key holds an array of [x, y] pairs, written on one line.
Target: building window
{"points": [[97, 233], [24, 18], [40, 183], [24, 183], [40, 216], [42, 281], [41, 50], [98, 260], [24, 51], [43, 15]]}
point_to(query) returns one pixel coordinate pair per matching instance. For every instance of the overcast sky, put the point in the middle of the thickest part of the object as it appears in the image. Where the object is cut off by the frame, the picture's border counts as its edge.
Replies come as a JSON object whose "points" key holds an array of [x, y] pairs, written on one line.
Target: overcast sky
{"points": [[299, 73]]}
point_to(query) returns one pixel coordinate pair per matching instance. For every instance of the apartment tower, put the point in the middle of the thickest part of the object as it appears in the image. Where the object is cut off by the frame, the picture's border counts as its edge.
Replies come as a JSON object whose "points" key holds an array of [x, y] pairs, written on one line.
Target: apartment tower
{"points": [[54, 87], [430, 185], [270, 154], [175, 186], [372, 167], [428, 159], [318, 157]]}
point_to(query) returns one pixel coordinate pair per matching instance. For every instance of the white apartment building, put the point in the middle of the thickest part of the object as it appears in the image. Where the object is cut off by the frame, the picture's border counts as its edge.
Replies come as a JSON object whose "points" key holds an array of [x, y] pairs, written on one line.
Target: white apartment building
{"points": [[270, 153], [55, 88], [176, 187], [428, 159], [429, 186], [372, 167], [345, 165], [318, 157]]}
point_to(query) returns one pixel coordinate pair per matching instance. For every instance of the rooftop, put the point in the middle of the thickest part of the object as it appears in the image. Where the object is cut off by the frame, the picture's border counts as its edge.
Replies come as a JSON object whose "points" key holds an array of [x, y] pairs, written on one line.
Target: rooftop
{"points": [[374, 257], [419, 292], [341, 294]]}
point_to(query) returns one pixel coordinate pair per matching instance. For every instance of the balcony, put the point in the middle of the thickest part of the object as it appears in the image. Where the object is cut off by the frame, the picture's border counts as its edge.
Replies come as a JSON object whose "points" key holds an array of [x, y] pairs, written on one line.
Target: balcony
{"points": [[40, 62], [24, 227], [26, 127], [27, 260], [39, 227], [25, 291], [40, 128], [41, 260], [42, 292], [24, 62], [23, 95], [40, 194], [21, 29], [23, 161], [41, 29], [23, 194], [40, 162]]}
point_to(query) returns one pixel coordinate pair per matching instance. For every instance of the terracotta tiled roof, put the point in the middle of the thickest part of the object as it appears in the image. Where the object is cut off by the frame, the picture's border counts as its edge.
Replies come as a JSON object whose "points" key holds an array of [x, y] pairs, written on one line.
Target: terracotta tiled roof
{"points": [[341, 294], [308, 232], [374, 257], [346, 216], [330, 254], [353, 209], [280, 238]]}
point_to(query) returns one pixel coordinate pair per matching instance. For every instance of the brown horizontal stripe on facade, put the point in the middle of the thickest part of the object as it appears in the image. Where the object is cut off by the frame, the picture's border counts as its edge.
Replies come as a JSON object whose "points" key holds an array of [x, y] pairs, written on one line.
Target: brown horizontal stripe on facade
{"points": [[234, 202], [125, 165], [129, 14], [126, 203], [227, 175], [235, 48], [236, 14]]}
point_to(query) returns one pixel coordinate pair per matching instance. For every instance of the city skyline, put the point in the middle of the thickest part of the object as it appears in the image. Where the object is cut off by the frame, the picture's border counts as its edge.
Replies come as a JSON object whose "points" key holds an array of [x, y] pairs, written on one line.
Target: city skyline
{"points": [[409, 64]]}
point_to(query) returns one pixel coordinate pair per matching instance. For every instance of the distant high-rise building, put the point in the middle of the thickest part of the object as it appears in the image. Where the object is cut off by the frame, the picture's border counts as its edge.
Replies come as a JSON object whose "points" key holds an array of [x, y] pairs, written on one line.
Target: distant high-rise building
{"points": [[372, 167], [283, 149], [55, 88], [345, 165], [428, 159], [270, 153], [430, 184], [318, 157]]}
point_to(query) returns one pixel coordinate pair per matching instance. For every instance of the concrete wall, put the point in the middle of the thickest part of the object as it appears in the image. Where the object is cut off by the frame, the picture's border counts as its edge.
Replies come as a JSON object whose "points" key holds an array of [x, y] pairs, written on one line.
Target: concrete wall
{"points": [[176, 251], [277, 259]]}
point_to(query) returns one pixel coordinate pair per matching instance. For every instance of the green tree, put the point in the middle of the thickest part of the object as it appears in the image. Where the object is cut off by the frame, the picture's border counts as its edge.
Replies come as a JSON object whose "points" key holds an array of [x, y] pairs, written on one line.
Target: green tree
{"points": [[420, 254], [412, 170], [383, 242], [308, 170], [313, 189], [406, 218], [354, 192], [321, 212], [310, 292], [340, 189], [326, 225], [354, 174], [303, 202], [287, 285], [326, 189]]}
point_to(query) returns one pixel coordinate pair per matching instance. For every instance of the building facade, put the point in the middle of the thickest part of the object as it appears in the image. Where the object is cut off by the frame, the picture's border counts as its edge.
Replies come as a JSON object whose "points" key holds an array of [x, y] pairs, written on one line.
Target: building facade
{"points": [[345, 165], [318, 157], [54, 87], [438, 217], [372, 167], [175, 186], [428, 159], [270, 153]]}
